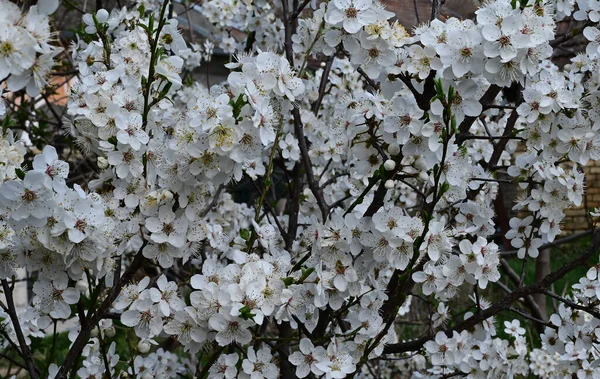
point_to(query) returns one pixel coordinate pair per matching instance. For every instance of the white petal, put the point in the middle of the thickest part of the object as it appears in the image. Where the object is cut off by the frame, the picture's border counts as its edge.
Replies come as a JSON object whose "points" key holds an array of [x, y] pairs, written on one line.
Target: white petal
{"points": [[47, 6], [130, 318], [71, 296]]}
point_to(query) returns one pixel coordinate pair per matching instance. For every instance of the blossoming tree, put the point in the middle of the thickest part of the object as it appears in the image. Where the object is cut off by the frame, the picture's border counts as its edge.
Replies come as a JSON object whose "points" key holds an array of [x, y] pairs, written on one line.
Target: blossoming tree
{"points": [[375, 154]]}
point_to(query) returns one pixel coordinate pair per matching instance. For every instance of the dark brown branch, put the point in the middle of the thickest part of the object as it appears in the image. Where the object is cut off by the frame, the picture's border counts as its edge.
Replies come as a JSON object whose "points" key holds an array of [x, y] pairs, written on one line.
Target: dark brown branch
{"points": [[558, 242], [339, 202], [573, 305], [333, 179], [532, 318], [300, 8], [84, 334], [308, 169], [11, 360], [12, 313], [501, 145], [487, 98], [468, 137]]}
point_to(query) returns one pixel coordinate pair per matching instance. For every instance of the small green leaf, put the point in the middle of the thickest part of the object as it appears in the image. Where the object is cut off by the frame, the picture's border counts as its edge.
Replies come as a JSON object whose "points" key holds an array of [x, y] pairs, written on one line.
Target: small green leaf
{"points": [[246, 313], [20, 173]]}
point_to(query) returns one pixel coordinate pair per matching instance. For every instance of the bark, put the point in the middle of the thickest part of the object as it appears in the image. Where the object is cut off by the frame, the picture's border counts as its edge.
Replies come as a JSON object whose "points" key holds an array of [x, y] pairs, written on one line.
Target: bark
{"points": [[542, 268]]}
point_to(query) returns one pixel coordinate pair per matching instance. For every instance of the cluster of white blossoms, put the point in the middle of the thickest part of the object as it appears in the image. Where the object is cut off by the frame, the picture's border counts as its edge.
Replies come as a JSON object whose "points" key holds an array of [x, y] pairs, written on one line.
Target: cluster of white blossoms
{"points": [[27, 49], [376, 176], [569, 342]]}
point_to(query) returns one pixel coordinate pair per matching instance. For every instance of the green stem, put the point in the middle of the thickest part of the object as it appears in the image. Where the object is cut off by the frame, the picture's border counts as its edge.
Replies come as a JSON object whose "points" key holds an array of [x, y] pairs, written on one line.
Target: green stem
{"points": [[267, 185], [153, 58]]}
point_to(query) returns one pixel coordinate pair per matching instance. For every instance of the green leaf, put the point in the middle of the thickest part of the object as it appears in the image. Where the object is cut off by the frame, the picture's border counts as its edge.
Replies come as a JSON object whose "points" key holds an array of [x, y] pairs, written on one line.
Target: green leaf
{"points": [[20, 173], [245, 234], [445, 188], [246, 313], [306, 273]]}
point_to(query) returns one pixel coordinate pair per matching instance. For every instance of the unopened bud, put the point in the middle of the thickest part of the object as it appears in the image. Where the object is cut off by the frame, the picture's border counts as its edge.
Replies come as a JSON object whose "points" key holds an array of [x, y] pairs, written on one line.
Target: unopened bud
{"points": [[143, 347], [394, 149], [420, 164], [94, 332], [102, 163], [81, 286], [423, 176], [390, 184], [110, 332], [389, 165]]}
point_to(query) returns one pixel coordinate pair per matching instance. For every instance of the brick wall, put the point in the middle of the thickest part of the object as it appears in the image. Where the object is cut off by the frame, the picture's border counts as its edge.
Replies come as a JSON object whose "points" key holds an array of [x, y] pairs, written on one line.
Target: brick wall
{"points": [[411, 13], [576, 219]]}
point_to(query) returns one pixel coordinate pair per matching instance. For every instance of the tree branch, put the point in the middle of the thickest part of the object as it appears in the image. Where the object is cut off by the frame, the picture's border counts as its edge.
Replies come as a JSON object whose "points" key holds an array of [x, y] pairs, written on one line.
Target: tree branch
{"points": [[84, 334], [12, 313]]}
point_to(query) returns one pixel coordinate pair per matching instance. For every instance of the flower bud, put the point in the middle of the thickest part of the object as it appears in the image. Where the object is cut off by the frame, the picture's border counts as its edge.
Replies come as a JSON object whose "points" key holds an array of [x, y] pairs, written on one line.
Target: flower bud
{"points": [[420, 164], [102, 163], [143, 347], [390, 184], [110, 331], [102, 15], [423, 176], [94, 332], [389, 165], [409, 170], [81, 286], [394, 149]]}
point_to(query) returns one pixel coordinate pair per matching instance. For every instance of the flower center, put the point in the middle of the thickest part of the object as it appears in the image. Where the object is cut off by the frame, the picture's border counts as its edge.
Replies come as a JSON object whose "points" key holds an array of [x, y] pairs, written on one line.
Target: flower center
{"points": [[466, 52], [6, 48], [29, 196], [80, 225], [504, 41], [351, 12]]}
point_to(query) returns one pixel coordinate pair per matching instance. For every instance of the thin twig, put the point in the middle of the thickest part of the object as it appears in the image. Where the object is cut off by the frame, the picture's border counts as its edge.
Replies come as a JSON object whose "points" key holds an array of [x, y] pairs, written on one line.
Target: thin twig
{"points": [[323, 84], [367, 78], [214, 201]]}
